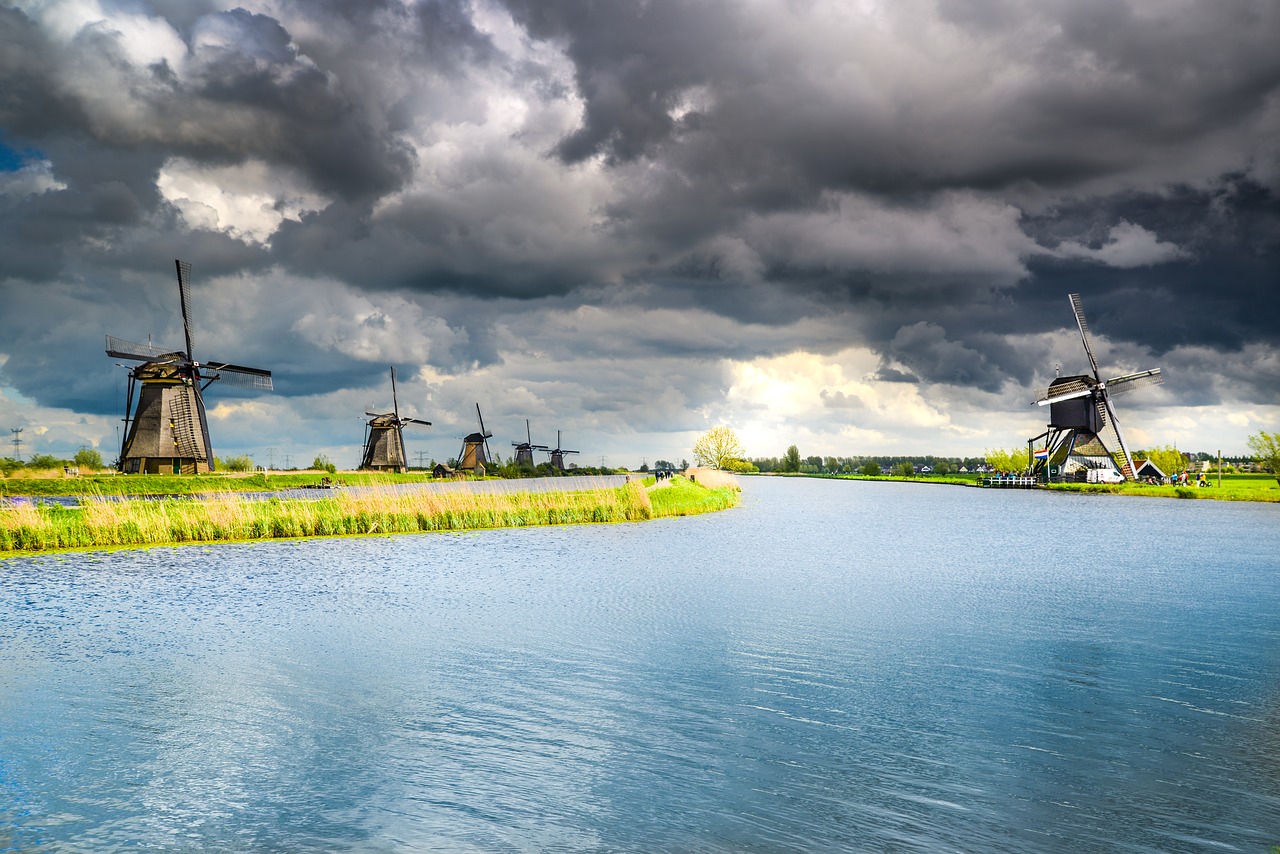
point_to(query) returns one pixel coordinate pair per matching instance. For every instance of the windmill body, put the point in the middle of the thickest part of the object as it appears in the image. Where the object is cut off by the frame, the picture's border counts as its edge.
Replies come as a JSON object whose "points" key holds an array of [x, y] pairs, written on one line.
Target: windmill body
{"points": [[167, 432], [475, 448], [1083, 435], [558, 454], [384, 437], [525, 449]]}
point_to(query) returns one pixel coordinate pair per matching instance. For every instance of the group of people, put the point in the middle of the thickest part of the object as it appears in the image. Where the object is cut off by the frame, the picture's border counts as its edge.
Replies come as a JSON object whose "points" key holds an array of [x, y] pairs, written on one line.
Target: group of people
{"points": [[1182, 479]]}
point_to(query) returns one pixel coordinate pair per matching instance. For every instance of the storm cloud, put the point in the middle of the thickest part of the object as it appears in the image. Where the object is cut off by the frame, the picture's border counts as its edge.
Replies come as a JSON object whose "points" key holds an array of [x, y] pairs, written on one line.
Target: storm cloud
{"points": [[848, 224]]}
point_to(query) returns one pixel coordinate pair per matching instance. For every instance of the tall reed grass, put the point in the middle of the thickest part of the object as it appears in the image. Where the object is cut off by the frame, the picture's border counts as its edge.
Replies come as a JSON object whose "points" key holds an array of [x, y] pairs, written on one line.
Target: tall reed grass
{"points": [[99, 522]]}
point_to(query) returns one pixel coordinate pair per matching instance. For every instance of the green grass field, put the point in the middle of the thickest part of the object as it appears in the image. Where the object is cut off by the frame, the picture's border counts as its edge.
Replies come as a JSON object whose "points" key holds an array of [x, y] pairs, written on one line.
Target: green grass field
{"points": [[1235, 487]]}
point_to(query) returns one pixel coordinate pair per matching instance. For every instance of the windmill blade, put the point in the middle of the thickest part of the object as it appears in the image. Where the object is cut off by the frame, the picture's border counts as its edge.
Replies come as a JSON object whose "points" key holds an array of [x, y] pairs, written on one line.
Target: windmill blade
{"points": [[237, 375], [1068, 396], [378, 414], [395, 401], [184, 293], [1115, 425], [1084, 333], [528, 436], [485, 435], [1061, 391], [414, 421], [122, 349], [1129, 382]]}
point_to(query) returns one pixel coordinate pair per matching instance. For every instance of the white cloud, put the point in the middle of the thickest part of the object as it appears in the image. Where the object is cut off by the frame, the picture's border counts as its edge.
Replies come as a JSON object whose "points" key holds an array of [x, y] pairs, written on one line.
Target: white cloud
{"points": [[247, 200], [1128, 245], [31, 180]]}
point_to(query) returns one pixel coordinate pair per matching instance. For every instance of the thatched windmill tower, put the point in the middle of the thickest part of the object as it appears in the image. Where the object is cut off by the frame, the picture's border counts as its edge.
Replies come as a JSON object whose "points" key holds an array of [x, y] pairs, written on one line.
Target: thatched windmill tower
{"points": [[1081, 414], [525, 449], [168, 432], [557, 454], [475, 447], [384, 437]]}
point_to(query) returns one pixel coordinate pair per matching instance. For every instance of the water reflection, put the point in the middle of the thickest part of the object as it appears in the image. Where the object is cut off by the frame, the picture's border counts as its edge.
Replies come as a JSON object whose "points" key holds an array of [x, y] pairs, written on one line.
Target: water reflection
{"points": [[832, 666]]}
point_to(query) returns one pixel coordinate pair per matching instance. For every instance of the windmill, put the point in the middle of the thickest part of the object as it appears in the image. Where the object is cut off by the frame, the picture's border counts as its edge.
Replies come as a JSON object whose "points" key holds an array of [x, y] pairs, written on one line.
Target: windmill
{"points": [[384, 437], [168, 431], [1080, 411], [475, 447], [557, 454], [525, 449]]}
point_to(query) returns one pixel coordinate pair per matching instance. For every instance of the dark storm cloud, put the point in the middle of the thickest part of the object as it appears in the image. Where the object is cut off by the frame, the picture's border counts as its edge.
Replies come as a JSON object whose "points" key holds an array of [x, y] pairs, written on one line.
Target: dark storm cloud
{"points": [[242, 89], [638, 183]]}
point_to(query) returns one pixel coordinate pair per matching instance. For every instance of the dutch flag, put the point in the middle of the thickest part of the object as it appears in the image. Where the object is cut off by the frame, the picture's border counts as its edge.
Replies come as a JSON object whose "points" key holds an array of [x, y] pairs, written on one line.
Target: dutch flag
{"points": [[1042, 454]]}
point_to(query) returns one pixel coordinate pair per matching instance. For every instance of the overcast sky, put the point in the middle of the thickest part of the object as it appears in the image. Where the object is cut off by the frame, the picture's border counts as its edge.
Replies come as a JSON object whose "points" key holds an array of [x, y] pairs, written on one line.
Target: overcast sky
{"points": [[847, 225]]}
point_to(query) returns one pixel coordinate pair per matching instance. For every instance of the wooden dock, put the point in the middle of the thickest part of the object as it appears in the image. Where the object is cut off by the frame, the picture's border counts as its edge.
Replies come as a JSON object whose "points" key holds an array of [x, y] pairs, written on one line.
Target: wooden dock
{"points": [[1010, 482]]}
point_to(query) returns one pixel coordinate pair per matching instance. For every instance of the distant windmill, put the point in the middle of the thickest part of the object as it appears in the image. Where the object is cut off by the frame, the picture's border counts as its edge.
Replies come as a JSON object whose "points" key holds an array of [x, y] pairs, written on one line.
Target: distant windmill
{"points": [[1080, 412], [557, 454], [168, 430], [384, 437], [525, 449], [475, 447]]}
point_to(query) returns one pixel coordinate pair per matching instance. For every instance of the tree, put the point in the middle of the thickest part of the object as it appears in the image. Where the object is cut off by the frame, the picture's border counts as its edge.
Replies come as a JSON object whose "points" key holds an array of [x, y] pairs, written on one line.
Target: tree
{"points": [[905, 469], [716, 447], [791, 460], [88, 458], [870, 468], [242, 463], [1168, 459], [1266, 451], [942, 467], [44, 461], [1008, 461]]}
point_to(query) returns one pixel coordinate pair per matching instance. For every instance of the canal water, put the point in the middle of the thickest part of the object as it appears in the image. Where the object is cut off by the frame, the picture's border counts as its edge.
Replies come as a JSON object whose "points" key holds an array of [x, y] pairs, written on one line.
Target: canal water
{"points": [[831, 666]]}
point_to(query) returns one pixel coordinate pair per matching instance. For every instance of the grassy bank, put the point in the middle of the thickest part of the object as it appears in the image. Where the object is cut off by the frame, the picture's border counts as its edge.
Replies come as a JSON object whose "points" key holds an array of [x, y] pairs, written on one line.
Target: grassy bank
{"points": [[707, 493], [32, 527], [189, 484]]}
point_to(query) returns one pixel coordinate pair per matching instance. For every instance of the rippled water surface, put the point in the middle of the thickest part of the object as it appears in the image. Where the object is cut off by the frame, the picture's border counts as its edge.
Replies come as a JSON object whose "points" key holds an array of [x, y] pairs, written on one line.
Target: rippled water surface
{"points": [[831, 666]]}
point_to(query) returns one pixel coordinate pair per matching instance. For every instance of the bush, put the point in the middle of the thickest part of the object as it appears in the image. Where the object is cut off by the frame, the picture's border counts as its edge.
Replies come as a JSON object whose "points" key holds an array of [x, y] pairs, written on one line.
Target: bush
{"points": [[870, 468], [905, 469], [45, 461]]}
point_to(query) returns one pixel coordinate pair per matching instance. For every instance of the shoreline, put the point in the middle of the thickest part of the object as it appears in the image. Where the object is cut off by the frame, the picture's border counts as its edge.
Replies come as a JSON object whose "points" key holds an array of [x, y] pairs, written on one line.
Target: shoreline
{"points": [[1256, 489]]}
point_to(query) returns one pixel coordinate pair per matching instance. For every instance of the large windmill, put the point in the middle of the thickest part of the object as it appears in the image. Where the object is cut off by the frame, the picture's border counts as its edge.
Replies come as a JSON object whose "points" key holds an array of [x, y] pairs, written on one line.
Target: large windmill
{"points": [[168, 431], [1081, 413], [475, 447], [557, 454], [384, 436], [525, 449]]}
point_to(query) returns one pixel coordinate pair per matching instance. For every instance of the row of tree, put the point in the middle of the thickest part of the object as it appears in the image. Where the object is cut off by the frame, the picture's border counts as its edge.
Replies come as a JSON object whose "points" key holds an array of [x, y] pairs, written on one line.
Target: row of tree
{"points": [[719, 448]]}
